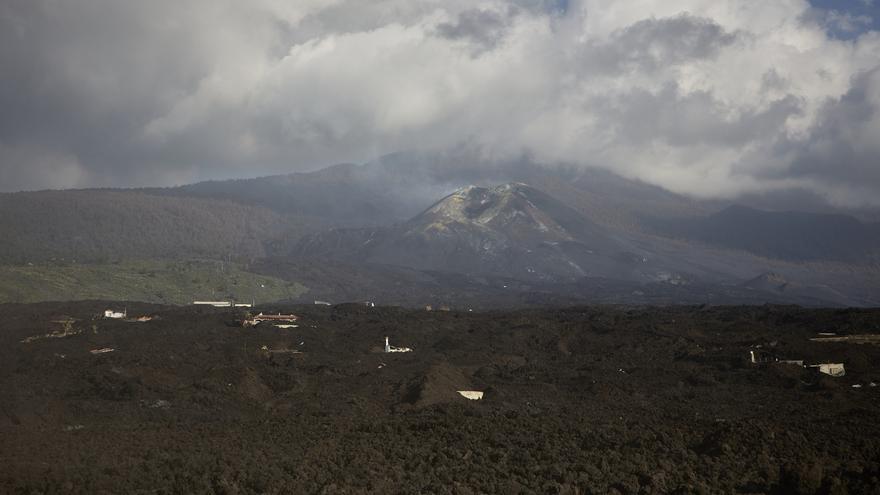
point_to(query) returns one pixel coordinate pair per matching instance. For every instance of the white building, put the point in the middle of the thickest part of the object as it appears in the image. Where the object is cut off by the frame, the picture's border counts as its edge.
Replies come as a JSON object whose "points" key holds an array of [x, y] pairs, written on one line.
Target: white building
{"points": [[115, 314], [391, 348], [216, 304]]}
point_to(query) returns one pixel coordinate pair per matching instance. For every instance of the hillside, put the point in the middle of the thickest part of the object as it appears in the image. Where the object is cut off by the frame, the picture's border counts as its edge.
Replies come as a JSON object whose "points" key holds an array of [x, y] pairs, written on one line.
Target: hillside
{"points": [[796, 236], [342, 195], [110, 225]]}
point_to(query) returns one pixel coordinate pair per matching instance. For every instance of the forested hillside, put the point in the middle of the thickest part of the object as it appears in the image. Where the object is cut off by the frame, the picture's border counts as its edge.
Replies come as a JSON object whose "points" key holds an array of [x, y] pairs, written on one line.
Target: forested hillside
{"points": [[100, 225]]}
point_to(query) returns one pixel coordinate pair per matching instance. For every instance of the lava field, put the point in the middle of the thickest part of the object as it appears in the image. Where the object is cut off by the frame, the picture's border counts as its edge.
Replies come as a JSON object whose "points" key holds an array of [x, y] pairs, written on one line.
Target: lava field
{"points": [[598, 399]]}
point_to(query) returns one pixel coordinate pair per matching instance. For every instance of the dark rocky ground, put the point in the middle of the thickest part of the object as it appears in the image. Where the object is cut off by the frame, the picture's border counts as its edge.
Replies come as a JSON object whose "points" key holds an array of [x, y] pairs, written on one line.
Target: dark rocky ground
{"points": [[335, 281], [578, 400]]}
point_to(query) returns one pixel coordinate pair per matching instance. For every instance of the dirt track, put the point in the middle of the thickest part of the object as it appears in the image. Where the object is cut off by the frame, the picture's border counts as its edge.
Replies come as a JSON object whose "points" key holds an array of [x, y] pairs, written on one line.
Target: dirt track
{"points": [[583, 400]]}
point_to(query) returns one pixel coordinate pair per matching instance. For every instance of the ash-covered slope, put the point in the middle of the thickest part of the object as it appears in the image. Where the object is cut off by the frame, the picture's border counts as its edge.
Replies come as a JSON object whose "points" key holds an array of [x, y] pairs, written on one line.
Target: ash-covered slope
{"points": [[510, 213], [513, 230]]}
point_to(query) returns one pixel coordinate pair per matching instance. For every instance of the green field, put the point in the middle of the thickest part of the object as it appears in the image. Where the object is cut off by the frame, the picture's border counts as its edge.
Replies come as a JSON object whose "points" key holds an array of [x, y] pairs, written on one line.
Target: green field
{"points": [[167, 282]]}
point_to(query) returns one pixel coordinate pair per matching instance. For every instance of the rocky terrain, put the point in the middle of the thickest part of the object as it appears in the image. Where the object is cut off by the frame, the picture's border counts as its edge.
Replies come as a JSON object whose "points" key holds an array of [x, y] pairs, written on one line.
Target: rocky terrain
{"points": [[592, 399]]}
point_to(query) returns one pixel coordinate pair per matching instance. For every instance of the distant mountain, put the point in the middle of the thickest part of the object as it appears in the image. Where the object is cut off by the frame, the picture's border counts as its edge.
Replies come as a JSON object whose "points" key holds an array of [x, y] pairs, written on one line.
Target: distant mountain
{"points": [[512, 230], [396, 187], [241, 218], [795, 236], [435, 223], [519, 232], [269, 215]]}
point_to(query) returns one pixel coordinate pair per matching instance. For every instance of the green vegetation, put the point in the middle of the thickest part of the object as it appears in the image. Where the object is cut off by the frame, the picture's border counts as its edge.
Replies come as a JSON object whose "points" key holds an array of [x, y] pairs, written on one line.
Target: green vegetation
{"points": [[169, 282]]}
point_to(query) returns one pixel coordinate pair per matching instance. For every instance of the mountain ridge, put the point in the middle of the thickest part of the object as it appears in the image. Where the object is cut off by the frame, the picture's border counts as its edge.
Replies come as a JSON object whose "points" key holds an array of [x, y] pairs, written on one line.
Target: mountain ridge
{"points": [[790, 235], [542, 226]]}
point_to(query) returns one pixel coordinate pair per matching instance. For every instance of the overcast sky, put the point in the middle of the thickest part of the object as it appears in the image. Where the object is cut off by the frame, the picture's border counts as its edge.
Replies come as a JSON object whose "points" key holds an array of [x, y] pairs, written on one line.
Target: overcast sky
{"points": [[707, 97]]}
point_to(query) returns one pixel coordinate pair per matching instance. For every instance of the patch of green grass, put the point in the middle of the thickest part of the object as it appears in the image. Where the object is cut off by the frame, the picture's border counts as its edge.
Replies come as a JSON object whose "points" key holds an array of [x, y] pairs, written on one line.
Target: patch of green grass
{"points": [[167, 282]]}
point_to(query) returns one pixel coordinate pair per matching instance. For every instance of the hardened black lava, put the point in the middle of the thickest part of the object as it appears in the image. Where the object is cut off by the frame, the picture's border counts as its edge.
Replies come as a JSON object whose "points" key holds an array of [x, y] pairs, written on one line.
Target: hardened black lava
{"points": [[598, 399]]}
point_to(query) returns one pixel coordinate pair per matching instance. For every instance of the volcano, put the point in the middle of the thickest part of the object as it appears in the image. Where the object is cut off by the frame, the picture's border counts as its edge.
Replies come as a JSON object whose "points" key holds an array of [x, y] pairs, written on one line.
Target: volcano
{"points": [[511, 230]]}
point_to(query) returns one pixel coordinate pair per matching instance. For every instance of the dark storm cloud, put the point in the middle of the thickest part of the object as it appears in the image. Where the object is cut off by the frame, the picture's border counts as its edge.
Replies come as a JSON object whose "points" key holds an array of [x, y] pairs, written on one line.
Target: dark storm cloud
{"points": [[843, 148], [81, 80]]}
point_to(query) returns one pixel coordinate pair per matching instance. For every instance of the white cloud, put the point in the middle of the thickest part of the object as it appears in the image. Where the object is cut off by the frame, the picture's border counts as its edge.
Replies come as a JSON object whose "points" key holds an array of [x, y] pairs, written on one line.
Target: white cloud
{"points": [[712, 98]]}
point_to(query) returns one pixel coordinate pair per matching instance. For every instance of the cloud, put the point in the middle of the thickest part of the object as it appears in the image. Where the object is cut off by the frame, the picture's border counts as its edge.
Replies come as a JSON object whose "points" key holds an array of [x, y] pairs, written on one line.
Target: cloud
{"points": [[651, 44], [482, 28], [842, 150], [709, 98]]}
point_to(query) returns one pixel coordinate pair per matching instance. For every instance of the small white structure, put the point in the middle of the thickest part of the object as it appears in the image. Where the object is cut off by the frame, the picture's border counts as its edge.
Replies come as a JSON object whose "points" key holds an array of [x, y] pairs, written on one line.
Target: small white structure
{"points": [[216, 304], [103, 350], [831, 369], [471, 394], [256, 320], [322, 303], [243, 305], [761, 357], [391, 348], [115, 314]]}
